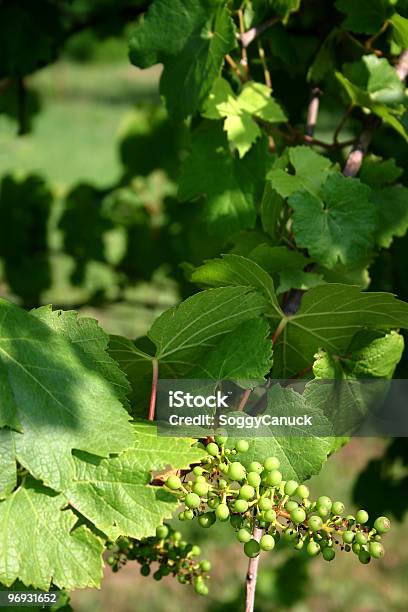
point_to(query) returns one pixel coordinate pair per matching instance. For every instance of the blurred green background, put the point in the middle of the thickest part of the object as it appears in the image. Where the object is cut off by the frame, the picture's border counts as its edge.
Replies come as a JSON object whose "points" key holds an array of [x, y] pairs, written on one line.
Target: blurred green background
{"points": [[90, 190]]}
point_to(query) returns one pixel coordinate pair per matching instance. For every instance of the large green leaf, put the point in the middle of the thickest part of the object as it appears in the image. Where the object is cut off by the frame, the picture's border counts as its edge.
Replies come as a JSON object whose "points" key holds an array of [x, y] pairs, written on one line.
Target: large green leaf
{"points": [[115, 493], [364, 16], [40, 544], [337, 225], [62, 388], [229, 185], [190, 37], [300, 456], [328, 318], [392, 203], [311, 170]]}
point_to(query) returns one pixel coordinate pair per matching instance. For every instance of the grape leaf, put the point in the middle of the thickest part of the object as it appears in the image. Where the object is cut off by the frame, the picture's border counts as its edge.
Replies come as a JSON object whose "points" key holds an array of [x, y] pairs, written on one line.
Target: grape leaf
{"points": [[59, 391], [371, 354], [190, 38], [311, 171], [400, 30], [271, 207], [328, 318], [8, 470], [230, 185], [239, 111], [115, 493], [40, 543], [300, 456], [376, 172], [337, 225], [237, 270], [244, 354], [392, 203], [284, 8], [364, 16]]}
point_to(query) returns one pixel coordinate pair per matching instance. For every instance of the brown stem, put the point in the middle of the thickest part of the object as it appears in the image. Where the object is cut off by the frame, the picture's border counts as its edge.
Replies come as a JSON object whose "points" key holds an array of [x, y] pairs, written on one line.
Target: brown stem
{"points": [[153, 395], [312, 111], [234, 66], [402, 65], [252, 575], [247, 37], [244, 55], [244, 399]]}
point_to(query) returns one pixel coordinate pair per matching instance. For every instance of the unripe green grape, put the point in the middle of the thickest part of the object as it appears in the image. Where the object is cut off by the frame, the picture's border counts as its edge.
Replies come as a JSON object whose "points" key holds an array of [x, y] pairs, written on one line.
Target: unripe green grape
{"points": [[165, 570], [290, 487], [252, 548], [182, 579], [145, 570], [291, 504], [235, 521], [270, 516], [376, 550], [315, 523], [298, 515], [198, 470], [241, 506], [253, 479], [200, 588], [312, 548], [361, 538], [222, 484], [181, 516], [241, 446], [267, 542], [382, 524], [244, 535], [289, 535], [362, 517], [356, 547], [273, 478], [221, 440], [338, 507], [377, 538], [205, 565], [192, 500], [200, 478], [271, 463], [206, 520], [157, 575], [246, 492], [347, 547], [213, 502], [302, 491], [195, 551], [110, 560], [255, 466], [364, 556], [173, 482], [212, 449], [262, 523], [162, 531], [348, 537], [264, 503], [328, 553], [201, 488], [299, 544], [236, 471], [224, 468], [325, 501], [222, 512], [323, 511]]}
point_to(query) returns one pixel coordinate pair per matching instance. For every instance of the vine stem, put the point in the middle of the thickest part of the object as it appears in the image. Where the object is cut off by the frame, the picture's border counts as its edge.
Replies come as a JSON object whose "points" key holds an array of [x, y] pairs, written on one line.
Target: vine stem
{"points": [[244, 399], [247, 37], [312, 112], [153, 395], [252, 575]]}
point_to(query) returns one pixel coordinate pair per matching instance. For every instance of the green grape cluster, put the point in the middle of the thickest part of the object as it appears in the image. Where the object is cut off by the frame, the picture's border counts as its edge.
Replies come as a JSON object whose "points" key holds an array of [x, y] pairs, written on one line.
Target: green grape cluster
{"points": [[222, 489], [169, 551]]}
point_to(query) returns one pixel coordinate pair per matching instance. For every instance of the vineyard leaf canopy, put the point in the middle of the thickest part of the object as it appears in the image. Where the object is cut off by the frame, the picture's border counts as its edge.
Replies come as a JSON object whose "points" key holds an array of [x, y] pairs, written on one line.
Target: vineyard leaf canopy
{"points": [[190, 37], [338, 224], [364, 16], [60, 386], [40, 543], [115, 493]]}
